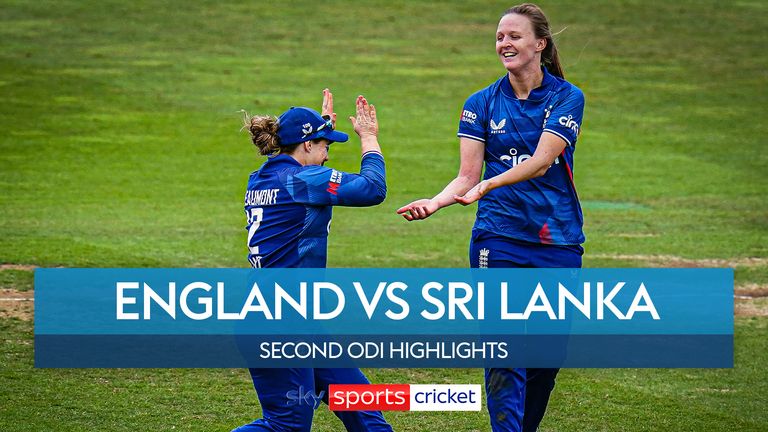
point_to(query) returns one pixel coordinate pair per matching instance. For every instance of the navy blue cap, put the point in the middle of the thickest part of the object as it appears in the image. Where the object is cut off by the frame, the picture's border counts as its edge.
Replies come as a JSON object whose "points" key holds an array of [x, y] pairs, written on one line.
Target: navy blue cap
{"points": [[300, 124]]}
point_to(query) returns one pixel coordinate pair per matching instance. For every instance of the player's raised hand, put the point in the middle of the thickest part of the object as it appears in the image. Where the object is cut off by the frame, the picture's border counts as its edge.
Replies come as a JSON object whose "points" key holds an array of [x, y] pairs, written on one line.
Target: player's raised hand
{"points": [[474, 194], [328, 106], [365, 122], [419, 209]]}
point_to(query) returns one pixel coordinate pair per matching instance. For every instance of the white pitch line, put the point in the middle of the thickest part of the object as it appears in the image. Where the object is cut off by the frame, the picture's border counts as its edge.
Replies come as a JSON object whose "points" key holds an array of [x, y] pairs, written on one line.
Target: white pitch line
{"points": [[700, 262], [17, 299]]}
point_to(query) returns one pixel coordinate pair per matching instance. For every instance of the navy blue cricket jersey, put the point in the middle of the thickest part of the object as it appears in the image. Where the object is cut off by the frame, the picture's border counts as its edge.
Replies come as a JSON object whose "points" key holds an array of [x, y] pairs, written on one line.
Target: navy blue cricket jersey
{"points": [[288, 207], [544, 209]]}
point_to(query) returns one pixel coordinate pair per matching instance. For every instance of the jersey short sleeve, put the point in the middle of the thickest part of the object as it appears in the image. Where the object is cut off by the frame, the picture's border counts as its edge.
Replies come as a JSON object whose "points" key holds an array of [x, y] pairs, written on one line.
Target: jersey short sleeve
{"points": [[473, 118], [564, 117], [328, 187]]}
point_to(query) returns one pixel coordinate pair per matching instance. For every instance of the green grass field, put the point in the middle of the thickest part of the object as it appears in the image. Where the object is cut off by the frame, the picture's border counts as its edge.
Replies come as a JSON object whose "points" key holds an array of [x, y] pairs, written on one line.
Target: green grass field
{"points": [[120, 148]]}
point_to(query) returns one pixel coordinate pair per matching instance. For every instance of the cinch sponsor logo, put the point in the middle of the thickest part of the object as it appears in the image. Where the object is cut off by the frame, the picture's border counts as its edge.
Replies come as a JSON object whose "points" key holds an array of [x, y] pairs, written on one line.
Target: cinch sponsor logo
{"points": [[468, 116], [404, 397], [569, 123], [515, 159]]}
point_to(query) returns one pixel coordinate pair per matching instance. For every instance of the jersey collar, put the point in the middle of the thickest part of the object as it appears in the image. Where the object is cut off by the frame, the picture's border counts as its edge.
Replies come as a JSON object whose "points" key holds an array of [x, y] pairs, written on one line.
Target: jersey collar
{"points": [[283, 158], [538, 93]]}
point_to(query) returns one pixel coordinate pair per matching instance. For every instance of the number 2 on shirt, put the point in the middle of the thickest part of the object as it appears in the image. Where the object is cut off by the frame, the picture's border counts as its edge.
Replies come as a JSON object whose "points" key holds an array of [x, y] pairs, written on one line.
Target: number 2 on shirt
{"points": [[255, 215]]}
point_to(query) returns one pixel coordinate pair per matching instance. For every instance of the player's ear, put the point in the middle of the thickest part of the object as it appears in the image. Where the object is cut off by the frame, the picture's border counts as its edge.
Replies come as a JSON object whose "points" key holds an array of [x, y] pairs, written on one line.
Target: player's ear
{"points": [[541, 44], [307, 146]]}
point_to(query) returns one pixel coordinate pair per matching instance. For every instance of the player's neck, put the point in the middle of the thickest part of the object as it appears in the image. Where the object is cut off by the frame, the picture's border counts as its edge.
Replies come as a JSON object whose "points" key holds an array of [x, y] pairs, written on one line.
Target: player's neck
{"points": [[523, 82], [300, 158]]}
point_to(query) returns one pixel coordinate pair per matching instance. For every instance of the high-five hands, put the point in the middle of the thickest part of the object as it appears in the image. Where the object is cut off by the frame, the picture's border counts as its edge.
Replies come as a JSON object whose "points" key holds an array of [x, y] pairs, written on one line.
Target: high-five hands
{"points": [[328, 107], [364, 122]]}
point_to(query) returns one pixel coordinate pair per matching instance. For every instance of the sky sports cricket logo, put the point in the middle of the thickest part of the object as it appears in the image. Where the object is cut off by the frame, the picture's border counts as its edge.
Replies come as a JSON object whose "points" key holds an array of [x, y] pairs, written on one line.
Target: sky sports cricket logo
{"points": [[404, 397]]}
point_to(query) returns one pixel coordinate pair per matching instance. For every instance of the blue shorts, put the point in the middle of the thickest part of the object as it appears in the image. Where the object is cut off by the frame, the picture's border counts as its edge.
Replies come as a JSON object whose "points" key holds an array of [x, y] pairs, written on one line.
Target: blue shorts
{"points": [[517, 397]]}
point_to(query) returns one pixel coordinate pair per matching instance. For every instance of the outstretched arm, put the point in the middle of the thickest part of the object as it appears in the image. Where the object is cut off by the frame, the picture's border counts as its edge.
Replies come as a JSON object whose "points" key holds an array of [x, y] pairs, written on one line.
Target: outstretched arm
{"points": [[549, 148], [327, 186], [471, 167]]}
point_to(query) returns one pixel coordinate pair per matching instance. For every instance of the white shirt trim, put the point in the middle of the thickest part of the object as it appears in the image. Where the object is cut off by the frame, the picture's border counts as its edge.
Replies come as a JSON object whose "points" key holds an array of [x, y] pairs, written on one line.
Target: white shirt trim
{"points": [[567, 141], [470, 136]]}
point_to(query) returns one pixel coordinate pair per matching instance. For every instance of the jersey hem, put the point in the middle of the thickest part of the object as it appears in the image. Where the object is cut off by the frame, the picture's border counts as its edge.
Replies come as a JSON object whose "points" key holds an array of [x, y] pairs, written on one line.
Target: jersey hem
{"points": [[526, 240]]}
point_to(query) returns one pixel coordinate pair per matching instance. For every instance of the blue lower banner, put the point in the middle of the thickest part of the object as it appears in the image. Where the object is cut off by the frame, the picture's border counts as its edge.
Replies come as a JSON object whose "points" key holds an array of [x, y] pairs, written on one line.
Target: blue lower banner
{"points": [[383, 318]]}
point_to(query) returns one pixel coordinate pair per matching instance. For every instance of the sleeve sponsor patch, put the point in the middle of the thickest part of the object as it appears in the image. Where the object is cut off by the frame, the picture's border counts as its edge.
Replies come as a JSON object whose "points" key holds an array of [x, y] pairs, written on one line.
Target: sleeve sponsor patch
{"points": [[468, 117], [334, 182], [570, 123], [335, 176]]}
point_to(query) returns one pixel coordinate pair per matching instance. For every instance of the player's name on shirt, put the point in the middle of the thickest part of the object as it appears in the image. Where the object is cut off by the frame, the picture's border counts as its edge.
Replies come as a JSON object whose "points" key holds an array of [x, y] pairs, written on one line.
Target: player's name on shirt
{"points": [[261, 197]]}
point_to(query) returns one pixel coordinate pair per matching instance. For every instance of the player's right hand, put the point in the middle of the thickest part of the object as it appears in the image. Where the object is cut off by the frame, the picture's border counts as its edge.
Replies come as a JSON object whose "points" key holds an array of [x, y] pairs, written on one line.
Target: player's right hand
{"points": [[327, 109], [419, 209], [474, 194], [365, 122]]}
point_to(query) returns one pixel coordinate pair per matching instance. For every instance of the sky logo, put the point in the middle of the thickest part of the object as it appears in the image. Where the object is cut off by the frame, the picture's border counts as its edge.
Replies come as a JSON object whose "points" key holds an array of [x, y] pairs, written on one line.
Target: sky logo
{"points": [[304, 397]]}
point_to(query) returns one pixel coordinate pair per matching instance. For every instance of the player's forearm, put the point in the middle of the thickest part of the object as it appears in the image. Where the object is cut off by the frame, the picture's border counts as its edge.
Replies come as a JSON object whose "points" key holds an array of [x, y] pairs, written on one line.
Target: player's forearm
{"points": [[369, 143], [457, 187], [371, 187], [529, 169]]}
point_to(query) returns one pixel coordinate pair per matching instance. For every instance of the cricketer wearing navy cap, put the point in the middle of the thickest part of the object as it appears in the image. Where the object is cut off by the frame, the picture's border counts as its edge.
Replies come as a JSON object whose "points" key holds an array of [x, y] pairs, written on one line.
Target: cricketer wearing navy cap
{"points": [[288, 207], [300, 124]]}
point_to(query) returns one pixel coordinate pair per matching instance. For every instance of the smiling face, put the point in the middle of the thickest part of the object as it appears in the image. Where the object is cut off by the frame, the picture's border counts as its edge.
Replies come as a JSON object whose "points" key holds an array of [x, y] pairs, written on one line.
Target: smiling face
{"points": [[517, 45]]}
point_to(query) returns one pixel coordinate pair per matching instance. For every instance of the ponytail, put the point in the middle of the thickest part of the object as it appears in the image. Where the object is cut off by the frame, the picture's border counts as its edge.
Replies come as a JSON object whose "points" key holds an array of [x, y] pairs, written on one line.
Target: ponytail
{"points": [[263, 132]]}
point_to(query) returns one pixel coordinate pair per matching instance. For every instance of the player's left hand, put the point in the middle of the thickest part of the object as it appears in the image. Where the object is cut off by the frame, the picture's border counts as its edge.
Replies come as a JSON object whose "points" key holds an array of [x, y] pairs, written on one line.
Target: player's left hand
{"points": [[474, 194], [328, 106], [365, 122]]}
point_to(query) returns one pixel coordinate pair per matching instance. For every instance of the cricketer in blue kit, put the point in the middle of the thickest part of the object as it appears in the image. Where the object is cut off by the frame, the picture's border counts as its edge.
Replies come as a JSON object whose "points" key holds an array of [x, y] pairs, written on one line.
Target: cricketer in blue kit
{"points": [[523, 128], [288, 206]]}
